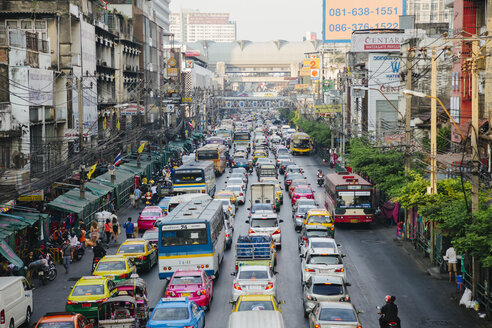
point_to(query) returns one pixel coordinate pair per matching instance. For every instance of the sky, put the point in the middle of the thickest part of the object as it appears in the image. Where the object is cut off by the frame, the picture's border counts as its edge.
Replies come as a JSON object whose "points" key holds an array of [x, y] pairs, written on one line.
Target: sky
{"points": [[264, 20]]}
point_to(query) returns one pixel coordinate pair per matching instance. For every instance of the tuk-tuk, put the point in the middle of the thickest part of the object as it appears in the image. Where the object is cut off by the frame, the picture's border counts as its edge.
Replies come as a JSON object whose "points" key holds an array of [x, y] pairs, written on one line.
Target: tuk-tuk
{"points": [[118, 312], [136, 288]]}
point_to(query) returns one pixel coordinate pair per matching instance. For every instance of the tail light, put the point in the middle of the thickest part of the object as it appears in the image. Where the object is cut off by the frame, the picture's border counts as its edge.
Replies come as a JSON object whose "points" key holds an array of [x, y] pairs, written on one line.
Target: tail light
{"points": [[298, 216], [102, 300], [142, 257], [236, 267], [2, 317], [170, 294], [269, 286], [236, 286], [250, 231], [2, 314], [332, 228], [203, 191], [123, 276], [304, 238], [339, 270], [309, 270], [227, 235], [317, 326], [345, 299], [201, 292], [241, 194], [243, 186], [276, 232], [311, 298]]}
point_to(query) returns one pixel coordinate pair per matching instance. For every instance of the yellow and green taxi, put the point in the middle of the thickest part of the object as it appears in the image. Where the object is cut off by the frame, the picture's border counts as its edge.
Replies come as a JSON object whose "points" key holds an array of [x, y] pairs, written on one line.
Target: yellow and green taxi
{"points": [[256, 302], [142, 253], [258, 154], [88, 293], [225, 194], [320, 217], [116, 267]]}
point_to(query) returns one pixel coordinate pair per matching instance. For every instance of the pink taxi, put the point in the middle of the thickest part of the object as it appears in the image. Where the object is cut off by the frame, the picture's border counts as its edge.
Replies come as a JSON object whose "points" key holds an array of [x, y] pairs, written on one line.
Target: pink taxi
{"points": [[194, 284], [148, 216]]}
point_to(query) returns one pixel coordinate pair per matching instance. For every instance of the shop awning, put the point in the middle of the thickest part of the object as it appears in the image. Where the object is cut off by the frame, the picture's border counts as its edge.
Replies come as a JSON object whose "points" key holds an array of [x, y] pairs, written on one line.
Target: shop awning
{"points": [[9, 254], [98, 189]]}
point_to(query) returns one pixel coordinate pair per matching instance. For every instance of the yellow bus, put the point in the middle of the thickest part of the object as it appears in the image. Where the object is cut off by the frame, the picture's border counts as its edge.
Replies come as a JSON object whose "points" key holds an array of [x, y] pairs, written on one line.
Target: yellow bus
{"points": [[215, 153], [301, 143]]}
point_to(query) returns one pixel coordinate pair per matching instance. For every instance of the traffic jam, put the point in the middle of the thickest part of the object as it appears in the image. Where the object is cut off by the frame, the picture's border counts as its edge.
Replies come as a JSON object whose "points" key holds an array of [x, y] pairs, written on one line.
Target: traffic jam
{"points": [[188, 233]]}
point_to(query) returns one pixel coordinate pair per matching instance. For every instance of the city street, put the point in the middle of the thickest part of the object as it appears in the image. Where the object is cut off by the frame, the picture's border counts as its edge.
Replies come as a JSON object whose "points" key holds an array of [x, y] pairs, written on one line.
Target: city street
{"points": [[375, 264]]}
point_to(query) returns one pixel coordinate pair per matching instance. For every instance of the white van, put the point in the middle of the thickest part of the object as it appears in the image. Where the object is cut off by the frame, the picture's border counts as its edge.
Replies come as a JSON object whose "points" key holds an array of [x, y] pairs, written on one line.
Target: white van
{"points": [[15, 302], [255, 319]]}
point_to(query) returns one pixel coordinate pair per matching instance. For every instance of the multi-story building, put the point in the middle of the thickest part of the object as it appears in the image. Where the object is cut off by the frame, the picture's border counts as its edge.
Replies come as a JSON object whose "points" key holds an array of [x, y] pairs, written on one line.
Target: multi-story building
{"points": [[193, 26]]}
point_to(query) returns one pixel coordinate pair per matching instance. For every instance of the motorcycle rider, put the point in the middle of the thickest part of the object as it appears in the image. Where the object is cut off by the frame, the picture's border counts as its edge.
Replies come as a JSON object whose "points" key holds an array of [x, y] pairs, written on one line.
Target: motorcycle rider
{"points": [[320, 173], [389, 313], [99, 253]]}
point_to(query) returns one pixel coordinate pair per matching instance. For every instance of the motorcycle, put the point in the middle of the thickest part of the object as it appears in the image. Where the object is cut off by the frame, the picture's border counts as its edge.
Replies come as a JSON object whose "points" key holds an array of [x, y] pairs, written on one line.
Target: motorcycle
{"points": [[250, 170], [95, 261], [320, 181], [45, 270], [78, 253], [391, 324]]}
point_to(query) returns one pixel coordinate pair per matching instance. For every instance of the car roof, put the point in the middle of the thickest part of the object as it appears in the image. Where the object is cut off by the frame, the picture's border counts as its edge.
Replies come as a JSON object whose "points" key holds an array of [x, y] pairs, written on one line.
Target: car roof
{"points": [[58, 317], [152, 208], [322, 239], [319, 211]]}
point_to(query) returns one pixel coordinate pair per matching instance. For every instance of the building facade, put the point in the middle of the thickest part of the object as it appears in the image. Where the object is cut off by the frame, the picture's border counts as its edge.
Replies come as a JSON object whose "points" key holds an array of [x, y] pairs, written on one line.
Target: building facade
{"points": [[193, 26]]}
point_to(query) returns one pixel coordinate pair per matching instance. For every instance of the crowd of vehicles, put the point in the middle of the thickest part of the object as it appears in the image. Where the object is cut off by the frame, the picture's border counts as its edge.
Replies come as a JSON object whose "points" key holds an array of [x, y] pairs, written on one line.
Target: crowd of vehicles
{"points": [[187, 234]]}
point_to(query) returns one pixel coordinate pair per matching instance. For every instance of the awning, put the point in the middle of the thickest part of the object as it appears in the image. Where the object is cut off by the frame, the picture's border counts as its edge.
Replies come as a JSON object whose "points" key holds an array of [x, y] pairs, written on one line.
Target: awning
{"points": [[9, 254]]}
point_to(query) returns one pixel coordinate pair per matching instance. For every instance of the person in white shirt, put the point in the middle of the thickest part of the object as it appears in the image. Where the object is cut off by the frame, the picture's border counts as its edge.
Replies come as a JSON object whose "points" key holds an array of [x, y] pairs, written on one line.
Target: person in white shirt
{"points": [[74, 241], [452, 260]]}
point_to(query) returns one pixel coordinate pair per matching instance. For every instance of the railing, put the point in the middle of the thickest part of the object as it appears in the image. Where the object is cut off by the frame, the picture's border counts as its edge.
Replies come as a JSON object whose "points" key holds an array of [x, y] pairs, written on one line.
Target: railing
{"points": [[482, 293], [421, 244]]}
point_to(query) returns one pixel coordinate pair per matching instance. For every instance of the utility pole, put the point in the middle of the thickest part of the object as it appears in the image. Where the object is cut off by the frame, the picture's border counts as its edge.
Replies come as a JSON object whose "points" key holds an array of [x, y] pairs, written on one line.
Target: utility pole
{"points": [[82, 181], [81, 112], [161, 121], [408, 131], [433, 142]]}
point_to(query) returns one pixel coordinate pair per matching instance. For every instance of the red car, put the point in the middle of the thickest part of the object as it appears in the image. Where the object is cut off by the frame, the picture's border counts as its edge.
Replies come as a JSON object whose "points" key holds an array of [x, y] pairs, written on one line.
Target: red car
{"points": [[303, 191], [148, 216], [194, 284], [296, 183]]}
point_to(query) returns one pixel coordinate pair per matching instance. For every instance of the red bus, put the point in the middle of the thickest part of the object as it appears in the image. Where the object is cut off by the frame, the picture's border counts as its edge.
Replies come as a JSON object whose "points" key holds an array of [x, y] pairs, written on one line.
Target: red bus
{"points": [[349, 198]]}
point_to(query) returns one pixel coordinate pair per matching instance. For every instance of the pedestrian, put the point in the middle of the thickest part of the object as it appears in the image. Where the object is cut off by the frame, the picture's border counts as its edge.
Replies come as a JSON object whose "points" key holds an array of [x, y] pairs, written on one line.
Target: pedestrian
{"points": [[94, 231], [155, 197], [108, 230], [129, 228], [74, 241], [132, 198], [116, 228], [30, 258], [82, 237], [138, 195], [452, 261], [111, 207], [66, 252]]}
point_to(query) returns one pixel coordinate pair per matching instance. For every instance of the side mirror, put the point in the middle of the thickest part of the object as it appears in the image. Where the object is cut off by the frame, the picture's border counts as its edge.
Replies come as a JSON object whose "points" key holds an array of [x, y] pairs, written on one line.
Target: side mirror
{"points": [[344, 255], [151, 309], [249, 208], [233, 273], [232, 302], [281, 302], [360, 311], [168, 278], [281, 221], [301, 255], [212, 277], [305, 177], [247, 221], [348, 284], [339, 245], [275, 272]]}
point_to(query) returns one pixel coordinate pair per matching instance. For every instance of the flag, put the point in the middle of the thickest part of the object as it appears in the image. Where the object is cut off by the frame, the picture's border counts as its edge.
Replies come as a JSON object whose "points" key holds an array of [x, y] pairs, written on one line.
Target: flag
{"points": [[117, 159], [191, 124], [141, 148], [91, 171], [118, 125], [104, 123]]}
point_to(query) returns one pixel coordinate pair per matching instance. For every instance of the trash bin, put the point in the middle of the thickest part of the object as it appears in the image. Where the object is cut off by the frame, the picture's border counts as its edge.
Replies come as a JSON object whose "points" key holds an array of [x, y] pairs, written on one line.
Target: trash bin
{"points": [[459, 282]]}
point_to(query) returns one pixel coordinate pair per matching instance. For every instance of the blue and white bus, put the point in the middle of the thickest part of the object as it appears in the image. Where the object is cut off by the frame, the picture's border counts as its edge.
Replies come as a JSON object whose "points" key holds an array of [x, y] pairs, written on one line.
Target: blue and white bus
{"points": [[195, 177], [192, 237]]}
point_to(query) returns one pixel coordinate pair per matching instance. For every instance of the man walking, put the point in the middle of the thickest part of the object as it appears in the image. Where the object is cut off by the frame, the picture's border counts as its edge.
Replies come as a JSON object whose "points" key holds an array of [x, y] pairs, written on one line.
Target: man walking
{"points": [[66, 253], [138, 195], [129, 228]]}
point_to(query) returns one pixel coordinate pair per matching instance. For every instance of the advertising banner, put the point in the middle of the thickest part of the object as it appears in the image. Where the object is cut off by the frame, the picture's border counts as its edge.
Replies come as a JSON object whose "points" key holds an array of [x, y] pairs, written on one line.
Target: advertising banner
{"points": [[340, 19]]}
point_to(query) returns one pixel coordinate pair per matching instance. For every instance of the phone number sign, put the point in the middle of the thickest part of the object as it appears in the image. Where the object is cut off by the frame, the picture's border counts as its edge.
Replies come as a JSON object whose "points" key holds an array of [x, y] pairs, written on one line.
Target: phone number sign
{"points": [[340, 19]]}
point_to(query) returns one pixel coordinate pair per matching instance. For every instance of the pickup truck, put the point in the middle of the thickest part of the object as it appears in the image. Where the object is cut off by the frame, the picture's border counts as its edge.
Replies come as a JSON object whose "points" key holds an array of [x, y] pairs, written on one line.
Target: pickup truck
{"points": [[255, 250]]}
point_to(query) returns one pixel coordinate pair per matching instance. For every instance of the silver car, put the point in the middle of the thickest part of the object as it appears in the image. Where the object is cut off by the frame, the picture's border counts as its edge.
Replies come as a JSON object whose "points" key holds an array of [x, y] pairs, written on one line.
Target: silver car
{"points": [[322, 262], [299, 215], [334, 314], [324, 288], [254, 279]]}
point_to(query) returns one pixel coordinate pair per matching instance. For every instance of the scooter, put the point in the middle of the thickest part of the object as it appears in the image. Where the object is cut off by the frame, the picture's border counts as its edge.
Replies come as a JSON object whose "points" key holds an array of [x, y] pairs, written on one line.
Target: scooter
{"points": [[78, 253], [391, 324], [320, 181]]}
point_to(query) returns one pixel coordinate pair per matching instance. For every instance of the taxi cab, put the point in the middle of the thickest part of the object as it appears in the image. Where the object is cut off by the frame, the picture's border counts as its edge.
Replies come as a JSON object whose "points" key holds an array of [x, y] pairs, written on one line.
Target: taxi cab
{"points": [[143, 254], [253, 302], [116, 267], [223, 194], [88, 293], [320, 217], [61, 319], [258, 154]]}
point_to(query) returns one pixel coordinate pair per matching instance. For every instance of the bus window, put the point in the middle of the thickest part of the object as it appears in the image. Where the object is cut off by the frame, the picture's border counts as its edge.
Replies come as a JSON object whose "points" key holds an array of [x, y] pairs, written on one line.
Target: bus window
{"points": [[354, 199], [301, 143], [188, 176], [181, 237], [207, 154]]}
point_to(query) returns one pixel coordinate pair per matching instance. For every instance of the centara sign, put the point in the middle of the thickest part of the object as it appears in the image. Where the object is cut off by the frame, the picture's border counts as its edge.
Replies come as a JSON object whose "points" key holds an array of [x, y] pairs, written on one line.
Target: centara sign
{"points": [[377, 42]]}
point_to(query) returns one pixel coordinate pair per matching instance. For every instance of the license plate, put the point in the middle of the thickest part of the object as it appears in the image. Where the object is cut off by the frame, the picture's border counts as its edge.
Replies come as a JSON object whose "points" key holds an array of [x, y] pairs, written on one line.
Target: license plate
{"points": [[86, 305], [325, 271], [41, 273], [254, 287], [185, 294], [354, 221]]}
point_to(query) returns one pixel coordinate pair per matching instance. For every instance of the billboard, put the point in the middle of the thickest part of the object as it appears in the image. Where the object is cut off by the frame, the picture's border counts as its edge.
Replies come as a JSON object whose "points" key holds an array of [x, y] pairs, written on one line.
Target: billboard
{"points": [[378, 42], [340, 19]]}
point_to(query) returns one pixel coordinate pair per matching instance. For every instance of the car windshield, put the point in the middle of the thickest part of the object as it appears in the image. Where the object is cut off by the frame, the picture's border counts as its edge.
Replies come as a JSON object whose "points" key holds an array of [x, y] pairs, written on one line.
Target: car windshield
{"points": [[255, 306], [303, 191], [323, 244], [111, 266], [235, 188], [88, 290], [132, 248], [170, 314], [264, 223], [253, 274], [237, 176], [324, 259], [150, 214], [319, 219], [236, 181], [294, 176], [304, 209], [317, 233], [327, 289], [301, 143], [344, 315], [261, 207], [56, 324], [304, 202], [186, 280]]}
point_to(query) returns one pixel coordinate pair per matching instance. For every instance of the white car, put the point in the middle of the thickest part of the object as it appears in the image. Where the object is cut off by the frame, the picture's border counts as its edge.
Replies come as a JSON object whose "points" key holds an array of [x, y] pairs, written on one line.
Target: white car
{"points": [[322, 261], [266, 224], [254, 279], [237, 181], [240, 176], [239, 192], [315, 243], [229, 210]]}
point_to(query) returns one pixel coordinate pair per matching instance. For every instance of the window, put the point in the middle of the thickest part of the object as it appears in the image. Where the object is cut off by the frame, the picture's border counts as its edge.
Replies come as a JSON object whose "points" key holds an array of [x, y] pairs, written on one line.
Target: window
{"points": [[40, 24], [26, 24], [12, 24]]}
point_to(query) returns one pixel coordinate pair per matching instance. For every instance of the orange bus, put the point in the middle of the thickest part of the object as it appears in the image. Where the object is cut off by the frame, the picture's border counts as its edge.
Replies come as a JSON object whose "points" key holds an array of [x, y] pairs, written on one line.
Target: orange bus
{"points": [[349, 198]]}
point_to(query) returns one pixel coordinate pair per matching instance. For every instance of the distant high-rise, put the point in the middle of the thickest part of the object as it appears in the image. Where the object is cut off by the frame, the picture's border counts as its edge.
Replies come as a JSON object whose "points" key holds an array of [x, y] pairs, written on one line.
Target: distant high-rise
{"points": [[430, 11], [192, 26]]}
